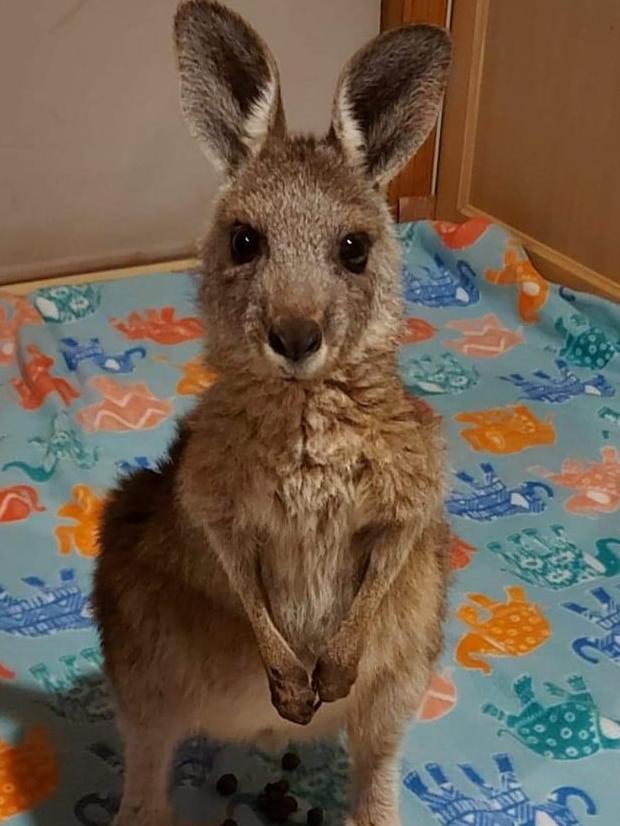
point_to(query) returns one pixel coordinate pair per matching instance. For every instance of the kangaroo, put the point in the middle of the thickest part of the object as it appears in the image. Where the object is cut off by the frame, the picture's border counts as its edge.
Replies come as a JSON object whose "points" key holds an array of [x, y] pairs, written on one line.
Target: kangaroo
{"points": [[283, 575]]}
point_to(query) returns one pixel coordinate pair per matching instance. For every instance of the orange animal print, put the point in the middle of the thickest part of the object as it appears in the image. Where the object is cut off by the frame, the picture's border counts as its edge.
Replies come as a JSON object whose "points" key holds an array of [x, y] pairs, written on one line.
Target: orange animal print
{"points": [[510, 629], [460, 553], [484, 337], [459, 236], [196, 377], [28, 773], [417, 329], [85, 509], [124, 407], [159, 325], [506, 430], [37, 382], [597, 483], [14, 312], [440, 698], [18, 502], [533, 289]]}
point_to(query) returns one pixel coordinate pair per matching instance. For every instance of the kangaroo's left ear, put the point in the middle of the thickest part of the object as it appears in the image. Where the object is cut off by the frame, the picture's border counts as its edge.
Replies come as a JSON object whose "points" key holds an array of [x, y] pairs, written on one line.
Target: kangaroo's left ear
{"points": [[388, 98]]}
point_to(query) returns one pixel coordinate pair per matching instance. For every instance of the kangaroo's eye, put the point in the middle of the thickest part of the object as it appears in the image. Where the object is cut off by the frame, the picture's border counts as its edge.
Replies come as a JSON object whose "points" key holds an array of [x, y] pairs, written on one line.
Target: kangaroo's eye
{"points": [[353, 251], [245, 243]]}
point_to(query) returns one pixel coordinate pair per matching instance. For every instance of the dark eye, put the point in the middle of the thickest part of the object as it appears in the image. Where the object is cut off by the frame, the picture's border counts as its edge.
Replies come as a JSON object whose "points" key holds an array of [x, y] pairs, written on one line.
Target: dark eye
{"points": [[353, 251], [245, 243]]}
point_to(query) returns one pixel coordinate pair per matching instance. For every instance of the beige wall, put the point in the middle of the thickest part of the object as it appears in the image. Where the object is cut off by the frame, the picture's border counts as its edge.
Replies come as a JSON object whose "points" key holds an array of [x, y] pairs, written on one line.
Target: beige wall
{"points": [[95, 163]]}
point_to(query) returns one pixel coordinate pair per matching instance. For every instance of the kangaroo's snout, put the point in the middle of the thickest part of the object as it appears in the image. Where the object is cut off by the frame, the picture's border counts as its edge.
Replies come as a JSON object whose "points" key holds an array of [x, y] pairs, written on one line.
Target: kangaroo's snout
{"points": [[295, 339]]}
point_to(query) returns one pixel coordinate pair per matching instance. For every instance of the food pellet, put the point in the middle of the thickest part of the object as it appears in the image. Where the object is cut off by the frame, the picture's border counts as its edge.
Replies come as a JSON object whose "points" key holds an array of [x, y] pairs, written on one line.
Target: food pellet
{"points": [[278, 812], [229, 822], [290, 803], [290, 762], [227, 785], [275, 791], [315, 817]]}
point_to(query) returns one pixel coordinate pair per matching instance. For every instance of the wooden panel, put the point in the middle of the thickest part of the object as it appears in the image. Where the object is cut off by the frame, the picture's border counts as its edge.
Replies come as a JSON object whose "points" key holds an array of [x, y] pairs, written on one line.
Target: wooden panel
{"points": [[531, 128], [416, 179]]}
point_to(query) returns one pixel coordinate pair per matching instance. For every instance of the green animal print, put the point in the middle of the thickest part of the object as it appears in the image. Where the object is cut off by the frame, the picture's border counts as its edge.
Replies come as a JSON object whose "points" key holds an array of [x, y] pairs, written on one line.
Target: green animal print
{"points": [[608, 414], [312, 784], [59, 305], [80, 692], [556, 562], [584, 344], [437, 375], [62, 443], [571, 729]]}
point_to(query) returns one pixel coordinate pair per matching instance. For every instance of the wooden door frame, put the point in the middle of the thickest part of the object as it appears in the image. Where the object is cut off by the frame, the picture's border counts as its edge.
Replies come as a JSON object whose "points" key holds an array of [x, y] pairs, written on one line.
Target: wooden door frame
{"points": [[412, 192], [458, 141]]}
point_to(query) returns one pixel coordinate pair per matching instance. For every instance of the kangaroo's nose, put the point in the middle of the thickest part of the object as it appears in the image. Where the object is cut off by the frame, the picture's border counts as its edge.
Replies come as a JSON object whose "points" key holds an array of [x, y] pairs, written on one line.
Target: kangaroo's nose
{"points": [[295, 338]]}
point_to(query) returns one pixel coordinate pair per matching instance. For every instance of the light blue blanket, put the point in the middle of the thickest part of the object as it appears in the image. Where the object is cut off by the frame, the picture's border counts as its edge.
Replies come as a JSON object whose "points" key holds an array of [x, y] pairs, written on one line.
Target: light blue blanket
{"points": [[521, 726]]}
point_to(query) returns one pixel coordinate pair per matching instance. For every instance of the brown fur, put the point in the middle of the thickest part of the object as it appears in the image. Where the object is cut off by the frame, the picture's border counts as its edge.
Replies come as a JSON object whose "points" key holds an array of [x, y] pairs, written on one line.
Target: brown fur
{"points": [[293, 550]]}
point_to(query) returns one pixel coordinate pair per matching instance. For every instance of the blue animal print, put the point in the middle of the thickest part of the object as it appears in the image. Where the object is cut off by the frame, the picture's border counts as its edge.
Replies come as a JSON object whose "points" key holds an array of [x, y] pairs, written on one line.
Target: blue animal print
{"points": [[137, 463], [556, 562], [491, 499], [60, 607], [439, 287], [541, 387], [74, 353], [80, 694], [442, 374], [607, 620], [508, 805], [59, 305]]}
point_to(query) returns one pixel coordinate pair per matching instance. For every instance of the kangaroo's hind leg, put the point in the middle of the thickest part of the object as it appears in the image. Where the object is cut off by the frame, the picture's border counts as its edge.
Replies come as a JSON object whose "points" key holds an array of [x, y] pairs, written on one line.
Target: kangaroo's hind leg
{"points": [[148, 754]]}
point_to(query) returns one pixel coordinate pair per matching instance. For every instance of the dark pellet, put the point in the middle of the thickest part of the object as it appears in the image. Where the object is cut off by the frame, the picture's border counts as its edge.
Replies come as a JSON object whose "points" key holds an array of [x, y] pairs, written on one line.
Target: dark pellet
{"points": [[227, 785], [290, 803], [278, 811], [229, 822], [290, 762], [315, 817], [276, 791]]}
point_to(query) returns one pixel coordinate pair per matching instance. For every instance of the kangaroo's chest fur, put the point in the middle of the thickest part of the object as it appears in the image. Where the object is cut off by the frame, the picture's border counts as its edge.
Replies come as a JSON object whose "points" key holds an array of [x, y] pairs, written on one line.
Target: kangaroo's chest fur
{"points": [[304, 475], [307, 502]]}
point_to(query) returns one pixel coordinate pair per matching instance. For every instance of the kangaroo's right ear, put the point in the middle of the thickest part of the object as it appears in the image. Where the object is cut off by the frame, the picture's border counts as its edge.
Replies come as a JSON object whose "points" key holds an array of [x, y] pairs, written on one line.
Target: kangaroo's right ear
{"points": [[230, 88]]}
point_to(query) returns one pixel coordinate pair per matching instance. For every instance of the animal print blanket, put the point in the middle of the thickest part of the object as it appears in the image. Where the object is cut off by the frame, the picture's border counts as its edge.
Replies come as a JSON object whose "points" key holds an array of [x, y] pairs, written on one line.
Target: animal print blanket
{"points": [[521, 724]]}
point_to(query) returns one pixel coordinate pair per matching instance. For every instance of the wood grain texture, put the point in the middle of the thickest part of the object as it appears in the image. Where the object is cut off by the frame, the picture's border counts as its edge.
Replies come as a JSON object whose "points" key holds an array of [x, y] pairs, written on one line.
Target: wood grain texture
{"points": [[530, 131], [416, 179], [416, 207]]}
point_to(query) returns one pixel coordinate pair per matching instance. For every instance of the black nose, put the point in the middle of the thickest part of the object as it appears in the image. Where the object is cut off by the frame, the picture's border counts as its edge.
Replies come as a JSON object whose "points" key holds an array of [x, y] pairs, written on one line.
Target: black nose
{"points": [[295, 338]]}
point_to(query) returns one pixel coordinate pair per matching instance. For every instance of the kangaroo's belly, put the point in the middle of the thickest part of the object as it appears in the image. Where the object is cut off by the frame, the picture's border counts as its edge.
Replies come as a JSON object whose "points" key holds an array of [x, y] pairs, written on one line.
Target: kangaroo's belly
{"points": [[308, 569]]}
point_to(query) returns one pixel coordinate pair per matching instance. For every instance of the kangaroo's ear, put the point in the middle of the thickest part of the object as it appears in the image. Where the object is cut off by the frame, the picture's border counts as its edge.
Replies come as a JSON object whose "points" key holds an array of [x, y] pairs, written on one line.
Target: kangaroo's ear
{"points": [[388, 98], [230, 88]]}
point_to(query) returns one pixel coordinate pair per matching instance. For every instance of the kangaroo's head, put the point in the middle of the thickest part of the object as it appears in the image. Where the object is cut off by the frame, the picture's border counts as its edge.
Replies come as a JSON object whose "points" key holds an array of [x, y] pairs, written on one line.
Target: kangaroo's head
{"points": [[301, 276]]}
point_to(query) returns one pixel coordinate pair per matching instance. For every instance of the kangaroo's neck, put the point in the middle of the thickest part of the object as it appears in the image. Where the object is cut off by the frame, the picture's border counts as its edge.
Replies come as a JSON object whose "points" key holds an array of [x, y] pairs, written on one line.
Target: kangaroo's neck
{"points": [[367, 383]]}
